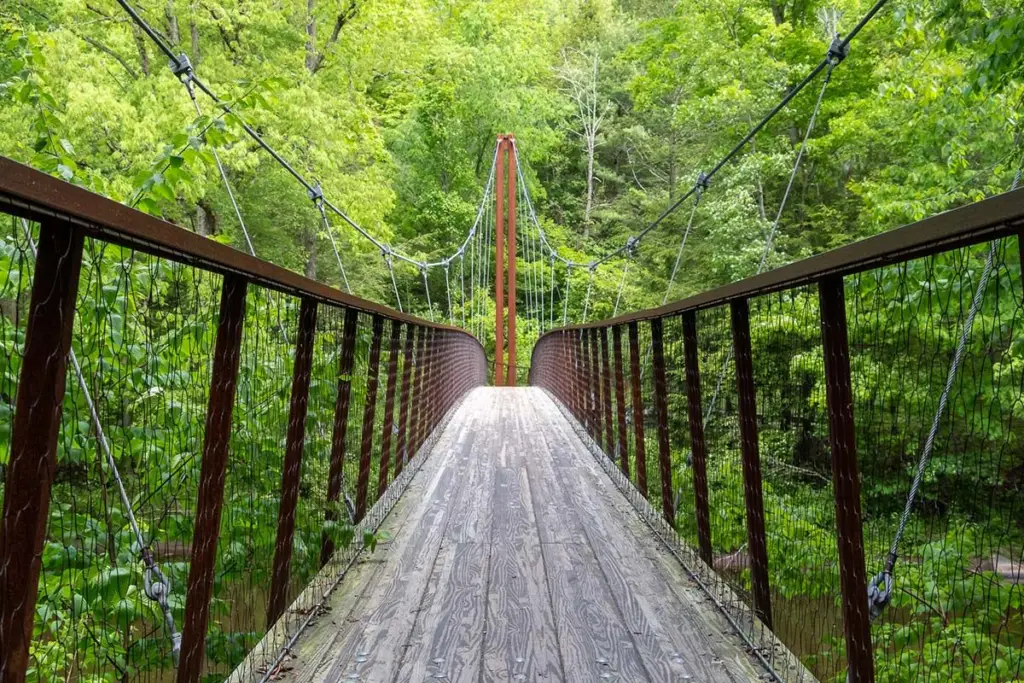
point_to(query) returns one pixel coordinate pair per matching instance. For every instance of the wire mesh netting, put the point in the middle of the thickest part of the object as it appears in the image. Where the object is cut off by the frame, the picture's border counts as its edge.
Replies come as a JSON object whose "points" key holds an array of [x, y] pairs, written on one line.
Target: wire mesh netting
{"points": [[956, 607], [143, 338], [795, 456], [129, 447], [956, 604]]}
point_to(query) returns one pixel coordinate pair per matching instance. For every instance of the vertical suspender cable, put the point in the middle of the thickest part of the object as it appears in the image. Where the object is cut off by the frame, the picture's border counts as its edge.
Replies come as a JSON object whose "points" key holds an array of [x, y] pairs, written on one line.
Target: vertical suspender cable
{"points": [[426, 286], [394, 284], [565, 299], [586, 300], [462, 287], [448, 293]]}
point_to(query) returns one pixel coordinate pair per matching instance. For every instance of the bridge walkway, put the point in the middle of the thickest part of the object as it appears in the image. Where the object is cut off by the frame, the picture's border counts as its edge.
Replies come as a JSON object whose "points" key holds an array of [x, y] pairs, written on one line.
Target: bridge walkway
{"points": [[513, 557]]}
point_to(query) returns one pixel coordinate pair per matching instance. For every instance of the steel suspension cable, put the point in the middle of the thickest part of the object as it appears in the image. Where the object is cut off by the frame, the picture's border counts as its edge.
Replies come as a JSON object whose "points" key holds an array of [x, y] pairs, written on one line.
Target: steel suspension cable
{"points": [[586, 300], [156, 585], [426, 287], [837, 51], [622, 283], [551, 307], [394, 284], [182, 68], [448, 293], [880, 587], [770, 237], [565, 299], [682, 243], [318, 199]]}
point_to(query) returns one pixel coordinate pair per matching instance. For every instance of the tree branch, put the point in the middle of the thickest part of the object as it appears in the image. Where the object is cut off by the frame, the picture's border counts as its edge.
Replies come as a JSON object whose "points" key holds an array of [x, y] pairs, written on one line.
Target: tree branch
{"points": [[107, 51], [344, 16]]}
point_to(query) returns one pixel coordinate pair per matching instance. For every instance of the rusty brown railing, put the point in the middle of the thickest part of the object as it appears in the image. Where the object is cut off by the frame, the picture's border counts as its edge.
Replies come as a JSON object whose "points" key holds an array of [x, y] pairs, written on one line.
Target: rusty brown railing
{"points": [[775, 425], [188, 348]]}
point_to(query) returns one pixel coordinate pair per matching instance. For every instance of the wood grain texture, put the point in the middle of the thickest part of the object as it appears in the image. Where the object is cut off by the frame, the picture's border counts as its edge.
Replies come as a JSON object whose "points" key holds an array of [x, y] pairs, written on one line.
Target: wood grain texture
{"points": [[515, 558]]}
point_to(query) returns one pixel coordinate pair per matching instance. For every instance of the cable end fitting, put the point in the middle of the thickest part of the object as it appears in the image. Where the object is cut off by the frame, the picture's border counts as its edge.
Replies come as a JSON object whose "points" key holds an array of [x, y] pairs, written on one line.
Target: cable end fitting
{"points": [[632, 244], [703, 182], [182, 68], [316, 193], [837, 51]]}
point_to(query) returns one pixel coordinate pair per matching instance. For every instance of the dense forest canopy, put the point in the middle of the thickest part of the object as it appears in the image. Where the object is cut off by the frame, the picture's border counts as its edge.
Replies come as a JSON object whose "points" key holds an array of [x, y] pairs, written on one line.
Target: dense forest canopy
{"points": [[617, 107]]}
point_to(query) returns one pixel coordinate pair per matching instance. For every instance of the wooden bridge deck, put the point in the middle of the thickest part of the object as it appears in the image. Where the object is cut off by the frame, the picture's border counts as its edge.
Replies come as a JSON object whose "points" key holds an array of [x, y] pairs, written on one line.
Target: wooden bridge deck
{"points": [[513, 557]]}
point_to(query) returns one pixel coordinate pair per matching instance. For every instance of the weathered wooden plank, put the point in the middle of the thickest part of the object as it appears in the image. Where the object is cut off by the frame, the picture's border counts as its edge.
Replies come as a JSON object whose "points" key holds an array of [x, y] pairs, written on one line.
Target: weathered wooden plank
{"points": [[450, 642], [471, 519], [593, 642], [520, 560], [374, 639]]}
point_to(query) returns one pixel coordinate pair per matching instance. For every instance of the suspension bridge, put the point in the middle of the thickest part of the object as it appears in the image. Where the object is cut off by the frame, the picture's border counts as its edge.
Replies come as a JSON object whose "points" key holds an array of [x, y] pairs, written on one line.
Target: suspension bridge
{"points": [[218, 469]]}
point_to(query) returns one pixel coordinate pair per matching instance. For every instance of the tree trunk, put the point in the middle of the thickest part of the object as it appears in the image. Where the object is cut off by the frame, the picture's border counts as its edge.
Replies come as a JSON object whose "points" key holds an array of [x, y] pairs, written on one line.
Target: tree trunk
{"points": [[778, 11], [206, 221], [140, 43], [194, 32], [172, 23], [311, 59], [310, 239]]}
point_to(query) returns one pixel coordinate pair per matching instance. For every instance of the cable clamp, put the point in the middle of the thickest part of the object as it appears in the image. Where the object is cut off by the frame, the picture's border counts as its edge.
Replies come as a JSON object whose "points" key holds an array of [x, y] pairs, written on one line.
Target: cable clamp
{"points": [[837, 51], [631, 246], [703, 182], [182, 68], [157, 588], [316, 193], [592, 267], [879, 593]]}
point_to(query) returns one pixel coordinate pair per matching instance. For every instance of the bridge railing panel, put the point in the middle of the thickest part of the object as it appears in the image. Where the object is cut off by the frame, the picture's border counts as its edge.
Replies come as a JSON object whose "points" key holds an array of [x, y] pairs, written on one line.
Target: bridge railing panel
{"points": [[231, 397], [802, 401]]}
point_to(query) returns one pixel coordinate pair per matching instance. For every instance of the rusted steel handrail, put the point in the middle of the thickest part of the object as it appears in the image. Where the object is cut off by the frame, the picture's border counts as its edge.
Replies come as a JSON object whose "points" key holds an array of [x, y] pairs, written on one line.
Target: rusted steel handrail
{"points": [[36, 196], [565, 362], [989, 219], [448, 362]]}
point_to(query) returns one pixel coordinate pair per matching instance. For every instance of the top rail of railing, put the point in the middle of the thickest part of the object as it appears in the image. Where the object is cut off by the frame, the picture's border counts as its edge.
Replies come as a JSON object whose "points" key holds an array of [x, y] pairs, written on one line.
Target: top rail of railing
{"points": [[826, 438], [998, 216], [37, 196]]}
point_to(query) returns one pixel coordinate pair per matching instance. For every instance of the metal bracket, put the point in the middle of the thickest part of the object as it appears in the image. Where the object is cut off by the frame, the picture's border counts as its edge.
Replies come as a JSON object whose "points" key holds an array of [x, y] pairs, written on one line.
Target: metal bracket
{"points": [[182, 68], [703, 182], [316, 194], [837, 51], [631, 246]]}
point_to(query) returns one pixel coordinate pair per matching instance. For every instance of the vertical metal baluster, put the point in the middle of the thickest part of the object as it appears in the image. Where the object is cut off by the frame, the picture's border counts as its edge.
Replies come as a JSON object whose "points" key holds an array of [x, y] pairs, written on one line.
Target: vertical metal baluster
{"points": [[697, 445], [389, 408], [369, 413], [213, 468], [620, 400], [639, 443], [845, 480], [661, 413], [33, 455], [401, 443], [292, 468], [606, 394], [335, 475], [750, 450]]}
